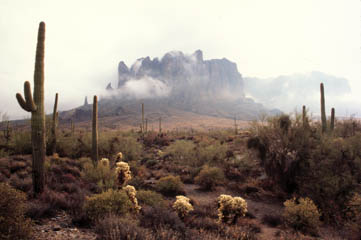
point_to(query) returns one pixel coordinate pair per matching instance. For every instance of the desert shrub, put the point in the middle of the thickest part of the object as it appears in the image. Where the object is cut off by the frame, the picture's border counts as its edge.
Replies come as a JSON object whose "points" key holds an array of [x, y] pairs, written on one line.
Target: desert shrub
{"points": [[13, 224], [242, 167], [182, 151], [209, 177], [170, 185], [213, 152], [24, 185], [129, 146], [150, 198], [157, 217], [111, 201], [353, 212], [37, 210], [272, 220], [102, 174], [123, 173], [182, 206], [22, 142], [302, 214], [154, 139], [325, 167], [230, 208], [113, 227]]}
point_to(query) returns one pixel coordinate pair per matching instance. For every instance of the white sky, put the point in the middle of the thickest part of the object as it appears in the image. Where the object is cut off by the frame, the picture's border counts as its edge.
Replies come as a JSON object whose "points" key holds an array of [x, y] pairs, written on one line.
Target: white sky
{"points": [[85, 40]]}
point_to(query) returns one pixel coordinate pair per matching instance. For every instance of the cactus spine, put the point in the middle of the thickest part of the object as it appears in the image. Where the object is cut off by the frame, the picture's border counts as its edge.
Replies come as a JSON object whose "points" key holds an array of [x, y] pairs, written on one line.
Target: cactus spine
{"points": [[54, 124], [332, 125], [95, 131], [36, 107], [323, 109]]}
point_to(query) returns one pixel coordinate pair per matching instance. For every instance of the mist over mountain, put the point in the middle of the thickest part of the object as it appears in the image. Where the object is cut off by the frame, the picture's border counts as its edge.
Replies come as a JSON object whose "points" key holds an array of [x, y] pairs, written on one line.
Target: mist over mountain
{"points": [[185, 82], [291, 92]]}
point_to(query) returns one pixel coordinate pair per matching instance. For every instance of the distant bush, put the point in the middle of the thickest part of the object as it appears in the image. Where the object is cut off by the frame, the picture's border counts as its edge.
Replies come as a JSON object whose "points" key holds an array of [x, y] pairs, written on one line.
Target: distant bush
{"points": [[182, 151], [170, 185], [209, 177], [99, 205], [213, 152], [325, 167], [150, 198], [21, 142], [113, 227], [102, 174], [353, 213], [302, 214], [13, 224], [128, 145]]}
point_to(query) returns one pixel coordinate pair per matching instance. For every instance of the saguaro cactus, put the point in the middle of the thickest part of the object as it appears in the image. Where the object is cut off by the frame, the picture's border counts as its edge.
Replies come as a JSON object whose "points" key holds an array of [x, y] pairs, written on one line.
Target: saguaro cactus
{"points": [[54, 125], [142, 127], [304, 116], [332, 124], [323, 109], [160, 125], [95, 153], [36, 107]]}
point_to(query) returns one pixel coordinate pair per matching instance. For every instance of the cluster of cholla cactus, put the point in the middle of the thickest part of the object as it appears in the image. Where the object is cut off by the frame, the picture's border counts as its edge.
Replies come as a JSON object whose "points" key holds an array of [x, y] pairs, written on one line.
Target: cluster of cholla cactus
{"points": [[230, 208], [123, 173], [132, 194], [182, 206]]}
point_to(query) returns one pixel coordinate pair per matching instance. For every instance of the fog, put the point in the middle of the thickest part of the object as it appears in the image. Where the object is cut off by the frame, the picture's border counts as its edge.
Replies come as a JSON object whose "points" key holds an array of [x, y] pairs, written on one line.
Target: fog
{"points": [[85, 40]]}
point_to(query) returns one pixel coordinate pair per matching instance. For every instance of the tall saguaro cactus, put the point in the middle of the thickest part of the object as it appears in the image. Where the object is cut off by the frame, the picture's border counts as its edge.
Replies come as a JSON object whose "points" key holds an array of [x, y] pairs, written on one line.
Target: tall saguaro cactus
{"points": [[54, 125], [323, 109], [143, 129], [95, 153], [36, 107], [332, 124], [160, 125]]}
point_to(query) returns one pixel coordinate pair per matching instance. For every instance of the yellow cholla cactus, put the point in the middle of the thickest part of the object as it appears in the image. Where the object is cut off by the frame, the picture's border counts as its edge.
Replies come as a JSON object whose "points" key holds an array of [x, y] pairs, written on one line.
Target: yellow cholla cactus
{"points": [[132, 194], [231, 208], [182, 206], [105, 162], [123, 172], [119, 156]]}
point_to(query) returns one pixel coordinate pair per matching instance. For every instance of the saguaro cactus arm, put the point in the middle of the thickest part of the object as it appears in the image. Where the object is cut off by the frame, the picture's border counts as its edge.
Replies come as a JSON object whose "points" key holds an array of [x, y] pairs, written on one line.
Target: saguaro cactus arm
{"points": [[27, 104]]}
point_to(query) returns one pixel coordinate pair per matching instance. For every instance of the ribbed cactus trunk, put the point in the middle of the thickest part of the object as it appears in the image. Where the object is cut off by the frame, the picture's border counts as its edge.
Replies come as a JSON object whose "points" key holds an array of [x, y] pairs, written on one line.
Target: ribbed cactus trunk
{"points": [[332, 124], [54, 125], [235, 126], [36, 107], [146, 125], [323, 109], [95, 153]]}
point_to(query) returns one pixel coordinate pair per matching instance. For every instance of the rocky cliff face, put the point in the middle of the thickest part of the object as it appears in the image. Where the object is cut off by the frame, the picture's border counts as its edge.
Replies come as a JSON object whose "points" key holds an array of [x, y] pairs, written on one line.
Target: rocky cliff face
{"points": [[188, 76]]}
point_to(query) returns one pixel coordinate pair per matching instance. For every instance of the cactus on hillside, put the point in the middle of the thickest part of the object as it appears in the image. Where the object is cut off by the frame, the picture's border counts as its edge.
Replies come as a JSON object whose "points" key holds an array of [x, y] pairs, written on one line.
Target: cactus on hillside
{"points": [[95, 153], [332, 124], [36, 107], [323, 109], [54, 125], [160, 125], [142, 126], [304, 116]]}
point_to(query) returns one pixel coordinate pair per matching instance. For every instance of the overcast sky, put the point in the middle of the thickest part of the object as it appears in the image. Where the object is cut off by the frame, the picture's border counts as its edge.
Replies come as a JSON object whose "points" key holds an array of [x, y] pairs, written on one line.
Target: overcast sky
{"points": [[85, 40]]}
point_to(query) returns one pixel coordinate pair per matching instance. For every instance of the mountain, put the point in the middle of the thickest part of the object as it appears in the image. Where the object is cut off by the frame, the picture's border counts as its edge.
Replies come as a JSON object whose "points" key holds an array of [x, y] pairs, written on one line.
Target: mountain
{"points": [[289, 92], [185, 82]]}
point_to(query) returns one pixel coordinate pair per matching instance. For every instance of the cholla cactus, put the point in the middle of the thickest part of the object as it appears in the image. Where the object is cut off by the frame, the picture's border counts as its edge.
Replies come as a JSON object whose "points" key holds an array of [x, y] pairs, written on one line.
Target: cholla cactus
{"points": [[131, 192], [182, 206], [104, 162], [123, 172], [231, 206], [119, 157]]}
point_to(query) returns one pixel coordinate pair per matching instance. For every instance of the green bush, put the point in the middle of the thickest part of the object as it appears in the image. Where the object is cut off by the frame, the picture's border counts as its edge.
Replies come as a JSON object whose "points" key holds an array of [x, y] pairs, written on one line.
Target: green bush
{"points": [[211, 153], [182, 152], [209, 177], [21, 142], [13, 224], [102, 175], [99, 205], [150, 198], [302, 215], [170, 185]]}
